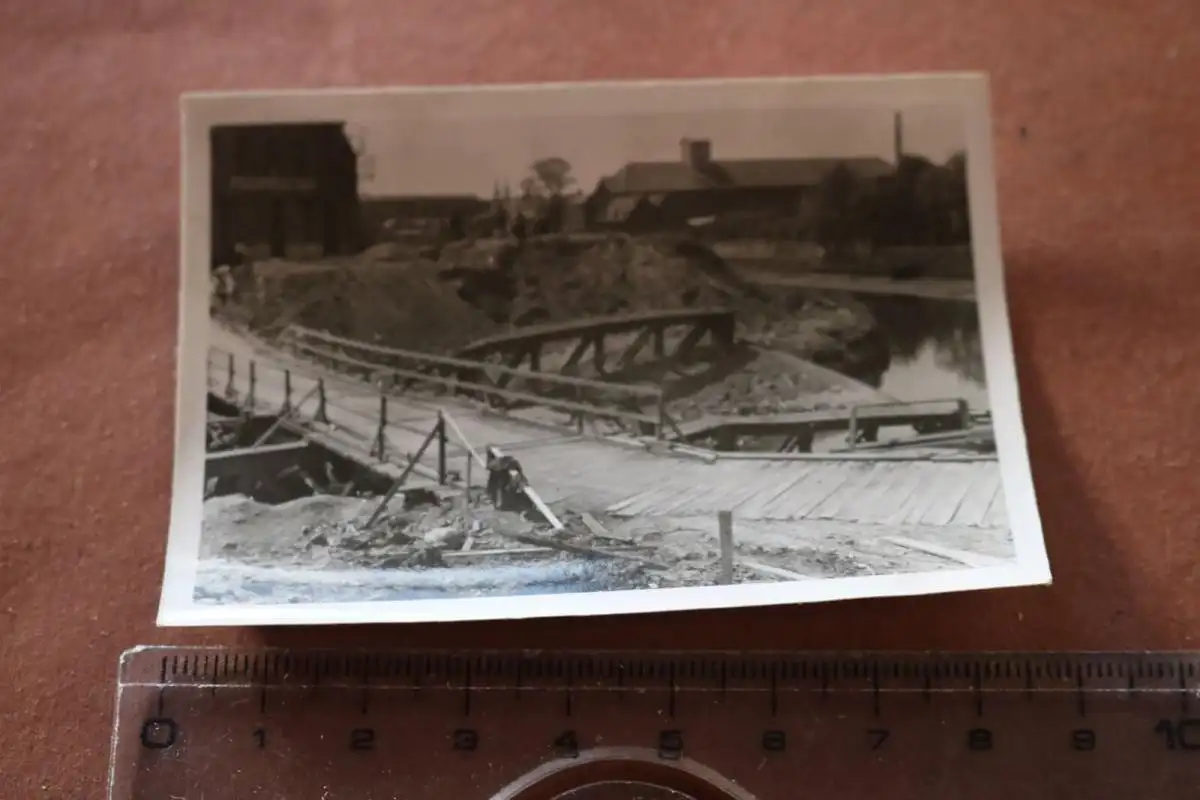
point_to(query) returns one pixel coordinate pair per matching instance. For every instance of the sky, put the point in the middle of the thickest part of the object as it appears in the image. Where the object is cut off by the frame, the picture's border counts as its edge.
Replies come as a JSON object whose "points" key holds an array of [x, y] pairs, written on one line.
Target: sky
{"points": [[470, 155]]}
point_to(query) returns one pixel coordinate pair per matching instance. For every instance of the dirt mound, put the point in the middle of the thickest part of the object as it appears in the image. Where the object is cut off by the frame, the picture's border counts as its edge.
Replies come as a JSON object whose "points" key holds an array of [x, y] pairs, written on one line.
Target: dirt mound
{"points": [[773, 382], [568, 278], [401, 303]]}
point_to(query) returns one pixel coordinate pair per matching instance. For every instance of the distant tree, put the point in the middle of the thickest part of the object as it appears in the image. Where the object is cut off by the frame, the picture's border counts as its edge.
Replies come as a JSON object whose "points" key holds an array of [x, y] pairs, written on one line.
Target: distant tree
{"points": [[842, 213], [902, 212], [553, 173], [542, 193]]}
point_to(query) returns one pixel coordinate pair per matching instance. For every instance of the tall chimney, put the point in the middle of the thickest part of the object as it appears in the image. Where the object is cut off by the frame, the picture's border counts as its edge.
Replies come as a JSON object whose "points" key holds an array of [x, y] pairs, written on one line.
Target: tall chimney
{"points": [[696, 153], [898, 135]]}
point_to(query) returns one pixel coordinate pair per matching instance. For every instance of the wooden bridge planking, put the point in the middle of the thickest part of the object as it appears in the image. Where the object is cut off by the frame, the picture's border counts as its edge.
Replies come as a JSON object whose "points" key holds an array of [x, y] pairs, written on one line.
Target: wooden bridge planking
{"points": [[631, 482], [973, 508]]}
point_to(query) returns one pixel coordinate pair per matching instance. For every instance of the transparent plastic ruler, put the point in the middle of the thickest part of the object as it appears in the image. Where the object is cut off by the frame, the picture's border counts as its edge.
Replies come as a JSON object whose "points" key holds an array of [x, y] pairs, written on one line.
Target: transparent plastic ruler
{"points": [[315, 725]]}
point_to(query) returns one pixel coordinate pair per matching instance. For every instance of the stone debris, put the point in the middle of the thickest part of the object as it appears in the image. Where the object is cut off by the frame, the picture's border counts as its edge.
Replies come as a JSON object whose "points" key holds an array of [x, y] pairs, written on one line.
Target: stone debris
{"points": [[331, 534]]}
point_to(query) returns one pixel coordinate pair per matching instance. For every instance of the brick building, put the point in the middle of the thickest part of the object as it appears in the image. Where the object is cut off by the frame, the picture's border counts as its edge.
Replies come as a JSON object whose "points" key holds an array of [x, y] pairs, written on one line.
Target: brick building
{"points": [[666, 194], [285, 191]]}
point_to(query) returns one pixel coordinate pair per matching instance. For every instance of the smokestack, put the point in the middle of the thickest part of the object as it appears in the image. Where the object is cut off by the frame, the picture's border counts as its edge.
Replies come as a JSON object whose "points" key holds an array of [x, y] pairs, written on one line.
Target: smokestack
{"points": [[898, 136], [696, 153]]}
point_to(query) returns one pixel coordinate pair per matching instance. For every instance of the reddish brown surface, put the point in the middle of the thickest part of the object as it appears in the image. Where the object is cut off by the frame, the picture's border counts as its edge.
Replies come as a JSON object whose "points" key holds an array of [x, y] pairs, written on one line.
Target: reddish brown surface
{"points": [[1098, 135]]}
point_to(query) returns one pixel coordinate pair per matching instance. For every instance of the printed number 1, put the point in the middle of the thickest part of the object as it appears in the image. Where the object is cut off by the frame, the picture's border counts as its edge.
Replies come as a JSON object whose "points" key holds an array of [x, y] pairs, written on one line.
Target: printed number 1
{"points": [[1182, 735]]}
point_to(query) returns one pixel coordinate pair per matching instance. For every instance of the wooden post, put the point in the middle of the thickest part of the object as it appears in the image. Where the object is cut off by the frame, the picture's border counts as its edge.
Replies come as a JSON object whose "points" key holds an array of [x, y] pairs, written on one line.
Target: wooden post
{"points": [[250, 401], [380, 446], [287, 390], [441, 453], [466, 497], [322, 414], [535, 366], [852, 435], [230, 388], [395, 487], [280, 420], [660, 430], [964, 412], [725, 531], [598, 356]]}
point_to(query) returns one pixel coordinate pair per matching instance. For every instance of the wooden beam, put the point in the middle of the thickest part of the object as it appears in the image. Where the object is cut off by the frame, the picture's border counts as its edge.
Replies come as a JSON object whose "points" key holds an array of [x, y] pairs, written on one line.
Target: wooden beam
{"points": [[335, 358], [950, 437], [500, 552], [514, 362], [772, 572], [599, 531], [395, 487], [689, 342], [306, 348], [577, 549], [263, 459], [534, 399], [285, 416], [598, 354], [577, 354], [635, 347]]}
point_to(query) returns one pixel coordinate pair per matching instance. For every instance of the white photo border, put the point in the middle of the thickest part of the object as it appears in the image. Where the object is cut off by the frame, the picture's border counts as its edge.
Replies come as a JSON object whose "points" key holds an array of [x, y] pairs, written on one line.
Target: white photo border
{"points": [[970, 91]]}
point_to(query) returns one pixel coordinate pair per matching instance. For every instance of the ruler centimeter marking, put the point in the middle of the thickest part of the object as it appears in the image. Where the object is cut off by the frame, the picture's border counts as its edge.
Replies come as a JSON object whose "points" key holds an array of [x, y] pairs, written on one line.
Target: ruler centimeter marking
{"points": [[181, 709]]}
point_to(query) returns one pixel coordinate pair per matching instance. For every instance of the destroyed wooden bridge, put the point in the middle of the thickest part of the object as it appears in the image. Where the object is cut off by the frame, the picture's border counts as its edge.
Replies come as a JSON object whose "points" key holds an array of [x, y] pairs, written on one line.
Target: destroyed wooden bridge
{"points": [[316, 387]]}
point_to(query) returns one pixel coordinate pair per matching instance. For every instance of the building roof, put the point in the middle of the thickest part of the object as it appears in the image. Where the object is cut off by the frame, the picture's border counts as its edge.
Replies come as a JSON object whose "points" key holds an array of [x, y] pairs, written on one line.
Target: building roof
{"points": [[642, 177], [424, 200]]}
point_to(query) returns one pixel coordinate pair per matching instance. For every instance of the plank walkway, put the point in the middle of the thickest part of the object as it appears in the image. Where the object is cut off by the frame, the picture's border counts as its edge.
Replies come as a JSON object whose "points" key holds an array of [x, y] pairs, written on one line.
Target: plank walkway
{"points": [[625, 480]]}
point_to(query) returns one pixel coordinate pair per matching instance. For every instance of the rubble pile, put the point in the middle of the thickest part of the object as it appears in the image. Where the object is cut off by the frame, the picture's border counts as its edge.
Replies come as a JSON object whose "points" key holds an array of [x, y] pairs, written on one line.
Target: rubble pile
{"points": [[423, 532]]}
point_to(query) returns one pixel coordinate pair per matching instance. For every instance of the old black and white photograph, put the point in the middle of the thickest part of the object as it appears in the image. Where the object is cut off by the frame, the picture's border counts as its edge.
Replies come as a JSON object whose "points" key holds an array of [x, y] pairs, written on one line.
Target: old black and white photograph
{"points": [[586, 349]]}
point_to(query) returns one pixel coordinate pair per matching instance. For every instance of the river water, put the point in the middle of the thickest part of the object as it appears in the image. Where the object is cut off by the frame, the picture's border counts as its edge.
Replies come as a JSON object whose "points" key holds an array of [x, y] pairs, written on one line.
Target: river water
{"points": [[935, 350]]}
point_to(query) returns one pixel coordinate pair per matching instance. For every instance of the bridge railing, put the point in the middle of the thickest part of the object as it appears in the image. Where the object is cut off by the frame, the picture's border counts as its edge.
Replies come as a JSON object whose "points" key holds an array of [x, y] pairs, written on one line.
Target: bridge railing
{"points": [[866, 417], [392, 369], [297, 400]]}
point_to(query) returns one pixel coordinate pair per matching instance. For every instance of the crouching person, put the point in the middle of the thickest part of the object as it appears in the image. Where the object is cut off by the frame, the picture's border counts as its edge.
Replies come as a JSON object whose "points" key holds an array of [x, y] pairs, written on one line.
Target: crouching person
{"points": [[506, 483]]}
